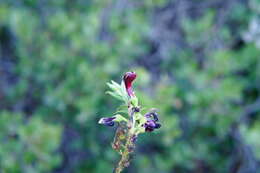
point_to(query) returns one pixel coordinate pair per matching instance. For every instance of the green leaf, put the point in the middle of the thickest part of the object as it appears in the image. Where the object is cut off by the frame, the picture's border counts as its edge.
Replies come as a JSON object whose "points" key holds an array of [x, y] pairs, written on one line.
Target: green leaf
{"points": [[118, 91]]}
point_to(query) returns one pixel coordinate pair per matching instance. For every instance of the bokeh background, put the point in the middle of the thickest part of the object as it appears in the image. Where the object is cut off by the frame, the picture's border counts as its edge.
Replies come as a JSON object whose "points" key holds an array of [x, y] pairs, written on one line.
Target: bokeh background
{"points": [[198, 62]]}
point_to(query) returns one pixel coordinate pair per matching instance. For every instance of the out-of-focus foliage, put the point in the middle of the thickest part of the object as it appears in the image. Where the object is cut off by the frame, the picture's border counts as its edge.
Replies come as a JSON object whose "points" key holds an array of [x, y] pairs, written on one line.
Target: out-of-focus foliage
{"points": [[28, 145], [197, 61]]}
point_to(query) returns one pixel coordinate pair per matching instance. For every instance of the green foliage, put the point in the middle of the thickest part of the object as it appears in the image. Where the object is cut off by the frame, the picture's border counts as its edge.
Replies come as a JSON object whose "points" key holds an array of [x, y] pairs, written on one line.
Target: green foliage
{"points": [[28, 145], [118, 91], [251, 136]]}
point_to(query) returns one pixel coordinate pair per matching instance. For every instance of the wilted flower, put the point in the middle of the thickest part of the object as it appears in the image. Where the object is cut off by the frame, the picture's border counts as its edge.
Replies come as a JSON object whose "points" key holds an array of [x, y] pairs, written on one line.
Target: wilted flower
{"points": [[129, 77], [108, 121]]}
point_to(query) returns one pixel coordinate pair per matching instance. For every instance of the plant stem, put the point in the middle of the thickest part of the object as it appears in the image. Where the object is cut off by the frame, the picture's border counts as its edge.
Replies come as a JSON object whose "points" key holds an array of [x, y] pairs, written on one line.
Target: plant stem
{"points": [[129, 145], [128, 149]]}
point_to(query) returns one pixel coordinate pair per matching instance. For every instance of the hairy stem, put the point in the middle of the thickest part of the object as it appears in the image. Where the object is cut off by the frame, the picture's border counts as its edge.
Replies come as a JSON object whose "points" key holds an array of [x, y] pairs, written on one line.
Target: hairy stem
{"points": [[128, 148], [125, 156]]}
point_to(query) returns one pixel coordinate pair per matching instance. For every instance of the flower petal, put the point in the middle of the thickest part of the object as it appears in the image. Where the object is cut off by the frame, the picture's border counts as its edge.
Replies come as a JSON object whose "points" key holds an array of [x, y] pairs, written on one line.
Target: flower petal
{"points": [[128, 78]]}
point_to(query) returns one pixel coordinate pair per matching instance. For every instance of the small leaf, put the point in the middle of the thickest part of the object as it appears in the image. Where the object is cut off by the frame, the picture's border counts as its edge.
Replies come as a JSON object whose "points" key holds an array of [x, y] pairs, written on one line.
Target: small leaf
{"points": [[118, 91]]}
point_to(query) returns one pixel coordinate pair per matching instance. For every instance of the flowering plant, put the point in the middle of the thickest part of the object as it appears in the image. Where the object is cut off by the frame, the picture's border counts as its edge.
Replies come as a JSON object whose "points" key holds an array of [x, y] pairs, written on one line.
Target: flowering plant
{"points": [[131, 122]]}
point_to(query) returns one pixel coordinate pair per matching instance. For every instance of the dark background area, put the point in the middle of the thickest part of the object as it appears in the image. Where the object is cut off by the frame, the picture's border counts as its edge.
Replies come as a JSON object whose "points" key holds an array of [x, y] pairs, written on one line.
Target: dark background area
{"points": [[197, 62]]}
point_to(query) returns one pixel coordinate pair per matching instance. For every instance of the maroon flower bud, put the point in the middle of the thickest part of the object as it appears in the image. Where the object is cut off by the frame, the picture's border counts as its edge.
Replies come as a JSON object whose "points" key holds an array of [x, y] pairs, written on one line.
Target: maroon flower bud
{"points": [[129, 77]]}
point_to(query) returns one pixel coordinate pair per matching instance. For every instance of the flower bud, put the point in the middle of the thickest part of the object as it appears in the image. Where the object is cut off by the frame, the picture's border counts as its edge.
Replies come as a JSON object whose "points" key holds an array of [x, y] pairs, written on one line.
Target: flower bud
{"points": [[128, 78]]}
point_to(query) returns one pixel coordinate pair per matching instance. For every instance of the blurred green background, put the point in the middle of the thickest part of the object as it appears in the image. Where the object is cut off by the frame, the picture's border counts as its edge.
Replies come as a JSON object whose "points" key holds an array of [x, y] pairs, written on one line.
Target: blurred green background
{"points": [[198, 62]]}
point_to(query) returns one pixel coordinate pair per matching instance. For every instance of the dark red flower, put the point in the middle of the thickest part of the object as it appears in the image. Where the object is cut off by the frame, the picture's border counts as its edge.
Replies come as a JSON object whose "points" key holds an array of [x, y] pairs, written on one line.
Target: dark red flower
{"points": [[129, 77]]}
